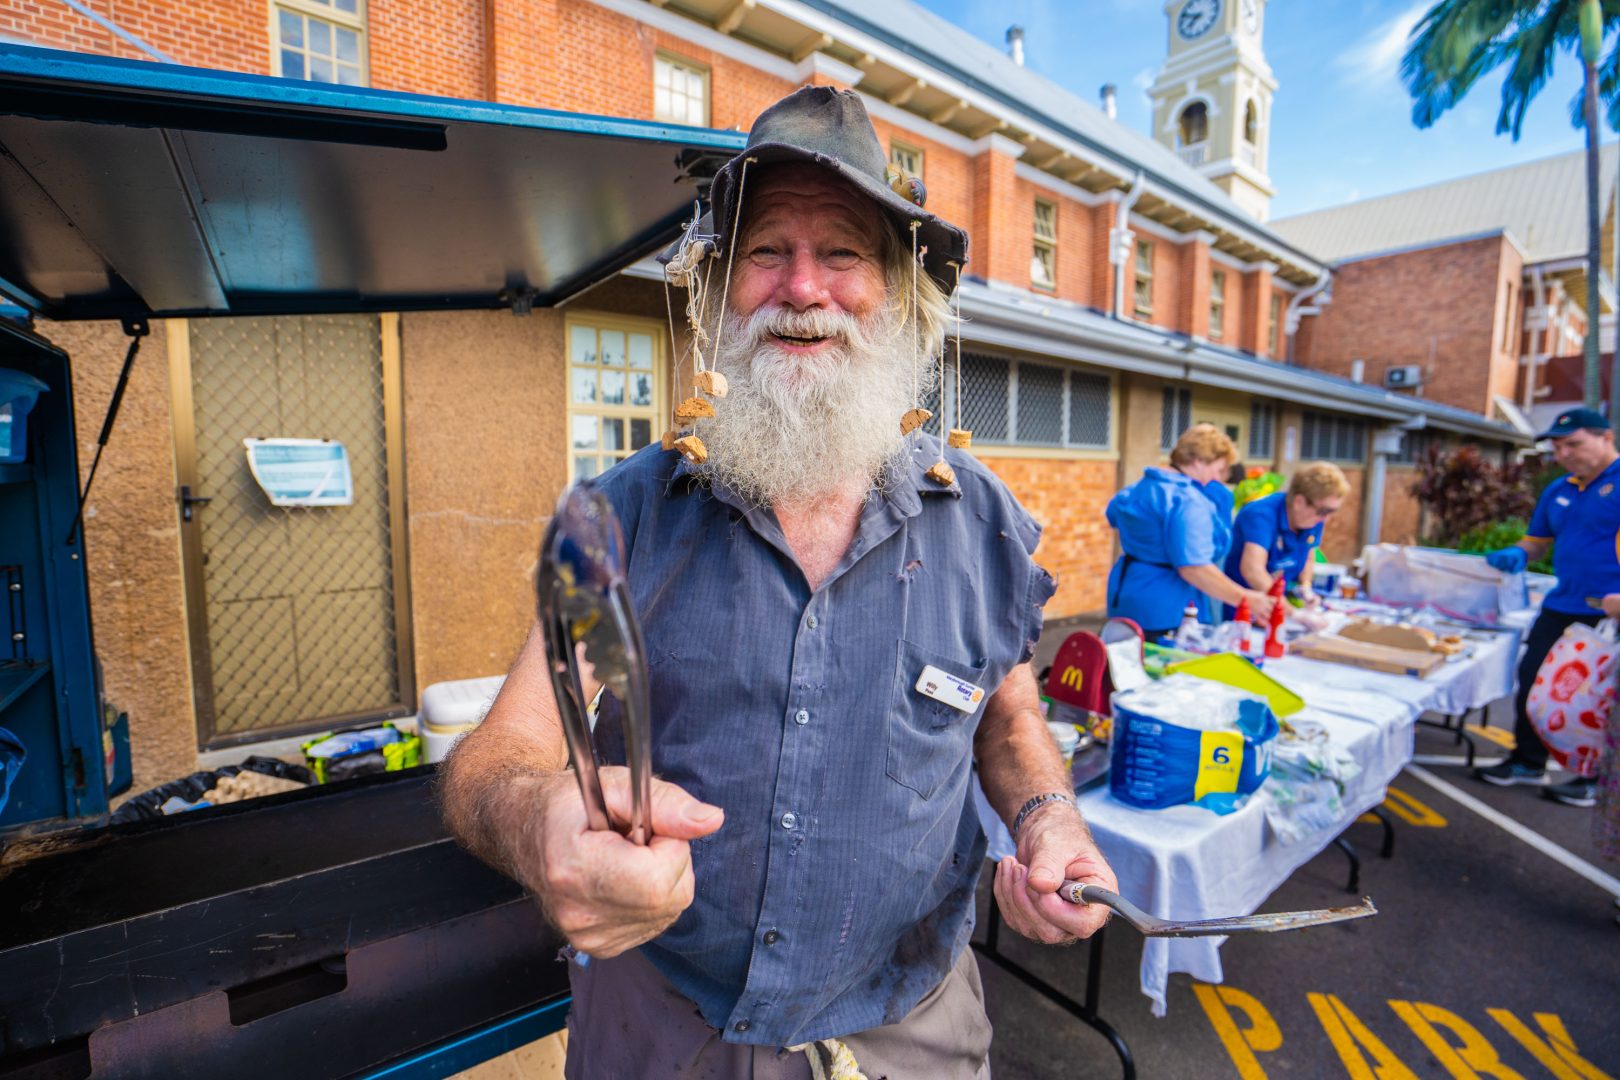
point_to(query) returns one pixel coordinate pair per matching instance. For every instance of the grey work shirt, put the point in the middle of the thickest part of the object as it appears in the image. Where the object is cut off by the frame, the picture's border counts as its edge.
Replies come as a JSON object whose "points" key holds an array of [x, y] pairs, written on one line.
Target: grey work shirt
{"points": [[840, 889]]}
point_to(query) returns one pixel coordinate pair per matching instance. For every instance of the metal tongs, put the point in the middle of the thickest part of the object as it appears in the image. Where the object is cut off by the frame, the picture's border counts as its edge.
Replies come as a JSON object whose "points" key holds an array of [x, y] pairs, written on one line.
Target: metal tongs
{"points": [[590, 629], [1150, 926]]}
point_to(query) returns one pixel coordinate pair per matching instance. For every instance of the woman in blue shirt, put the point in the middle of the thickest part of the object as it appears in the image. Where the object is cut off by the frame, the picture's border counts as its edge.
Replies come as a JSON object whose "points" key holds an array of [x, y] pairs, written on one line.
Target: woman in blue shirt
{"points": [[1174, 538], [1279, 534]]}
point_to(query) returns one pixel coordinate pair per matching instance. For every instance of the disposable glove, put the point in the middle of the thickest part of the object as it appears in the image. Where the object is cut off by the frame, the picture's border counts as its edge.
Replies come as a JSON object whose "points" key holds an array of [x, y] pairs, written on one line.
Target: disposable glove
{"points": [[1509, 560]]}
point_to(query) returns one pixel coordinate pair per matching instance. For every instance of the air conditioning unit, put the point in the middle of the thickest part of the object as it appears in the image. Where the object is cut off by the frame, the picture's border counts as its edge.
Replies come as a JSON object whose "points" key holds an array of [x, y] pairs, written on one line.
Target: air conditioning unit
{"points": [[1405, 377]]}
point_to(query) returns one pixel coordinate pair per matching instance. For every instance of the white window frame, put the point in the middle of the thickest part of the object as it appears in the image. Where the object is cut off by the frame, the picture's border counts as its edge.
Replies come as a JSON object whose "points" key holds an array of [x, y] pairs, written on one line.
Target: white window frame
{"points": [[1043, 257], [907, 158], [1217, 305], [1262, 430], [327, 13], [657, 414], [1274, 327], [1142, 275], [668, 61]]}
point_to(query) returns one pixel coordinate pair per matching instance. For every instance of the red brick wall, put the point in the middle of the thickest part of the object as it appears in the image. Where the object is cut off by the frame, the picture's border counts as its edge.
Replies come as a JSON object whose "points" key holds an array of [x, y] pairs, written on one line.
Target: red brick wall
{"points": [[1067, 498], [1402, 513], [1453, 334], [1341, 540]]}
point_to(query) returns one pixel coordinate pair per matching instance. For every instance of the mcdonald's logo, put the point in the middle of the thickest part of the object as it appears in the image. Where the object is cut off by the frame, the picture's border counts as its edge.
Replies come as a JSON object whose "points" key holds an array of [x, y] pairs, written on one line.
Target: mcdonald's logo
{"points": [[1071, 678]]}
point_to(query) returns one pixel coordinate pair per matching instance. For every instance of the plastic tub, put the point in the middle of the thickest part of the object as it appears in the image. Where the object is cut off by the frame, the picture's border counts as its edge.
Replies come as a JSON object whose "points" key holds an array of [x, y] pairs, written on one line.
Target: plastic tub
{"points": [[18, 392], [451, 709]]}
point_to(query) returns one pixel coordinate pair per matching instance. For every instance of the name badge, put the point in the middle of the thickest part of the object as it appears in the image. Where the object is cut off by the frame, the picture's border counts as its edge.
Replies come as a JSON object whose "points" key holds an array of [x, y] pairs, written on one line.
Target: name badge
{"points": [[943, 686]]}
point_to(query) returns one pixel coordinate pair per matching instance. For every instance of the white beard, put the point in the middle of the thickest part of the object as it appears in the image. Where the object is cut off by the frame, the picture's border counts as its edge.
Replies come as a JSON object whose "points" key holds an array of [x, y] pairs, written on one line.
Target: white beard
{"points": [[796, 429]]}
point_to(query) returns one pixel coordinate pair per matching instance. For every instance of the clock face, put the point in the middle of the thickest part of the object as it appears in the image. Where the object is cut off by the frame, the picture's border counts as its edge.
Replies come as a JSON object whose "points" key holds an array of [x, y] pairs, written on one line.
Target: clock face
{"points": [[1251, 16], [1197, 17]]}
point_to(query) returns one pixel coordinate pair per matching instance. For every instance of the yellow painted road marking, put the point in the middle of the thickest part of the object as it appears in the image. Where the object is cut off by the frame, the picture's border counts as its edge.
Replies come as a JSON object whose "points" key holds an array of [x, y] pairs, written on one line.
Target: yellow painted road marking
{"points": [[1472, 1058], [1409, 810], [1500, 736], [1345, 1030], [1561, 1058], [1262, 1035]]}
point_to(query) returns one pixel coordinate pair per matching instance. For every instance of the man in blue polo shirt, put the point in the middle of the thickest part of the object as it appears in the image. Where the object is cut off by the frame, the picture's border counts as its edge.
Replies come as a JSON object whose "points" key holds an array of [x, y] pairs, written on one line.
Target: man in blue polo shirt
{"points": [[1279, 534], [1581, 512]]}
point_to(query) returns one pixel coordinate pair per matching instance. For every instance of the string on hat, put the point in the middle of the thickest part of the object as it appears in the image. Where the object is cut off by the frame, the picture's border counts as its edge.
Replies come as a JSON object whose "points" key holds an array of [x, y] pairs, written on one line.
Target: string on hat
{"points": [[960, 437], [916, 416], [707, 382]]}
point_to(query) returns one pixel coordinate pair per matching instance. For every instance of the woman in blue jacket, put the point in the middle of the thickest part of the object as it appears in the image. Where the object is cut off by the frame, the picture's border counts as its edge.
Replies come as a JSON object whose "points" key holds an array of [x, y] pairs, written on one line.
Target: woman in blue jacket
{"points": [[1174, 538]]}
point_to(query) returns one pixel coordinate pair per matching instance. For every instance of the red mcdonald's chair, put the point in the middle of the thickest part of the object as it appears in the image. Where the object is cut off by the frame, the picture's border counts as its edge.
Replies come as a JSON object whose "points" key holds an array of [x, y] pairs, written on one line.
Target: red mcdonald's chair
{"points": [[1079, 675]]}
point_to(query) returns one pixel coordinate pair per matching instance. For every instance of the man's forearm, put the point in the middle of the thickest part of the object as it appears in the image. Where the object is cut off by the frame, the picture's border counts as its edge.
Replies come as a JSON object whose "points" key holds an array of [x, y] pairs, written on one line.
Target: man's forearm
{"points": [[1017, 757], [1535, 547], [490, 785]]}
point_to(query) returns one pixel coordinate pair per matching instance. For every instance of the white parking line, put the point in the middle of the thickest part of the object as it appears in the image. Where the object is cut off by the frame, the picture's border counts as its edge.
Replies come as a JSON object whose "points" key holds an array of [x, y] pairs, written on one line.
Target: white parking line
{"points": [[1451, 759], [1513, 828]]}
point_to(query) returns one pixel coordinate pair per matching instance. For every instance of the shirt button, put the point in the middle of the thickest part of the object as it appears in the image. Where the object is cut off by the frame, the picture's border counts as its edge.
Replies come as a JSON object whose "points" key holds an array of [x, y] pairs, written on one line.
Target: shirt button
{"points": [[802, 716], [789, 820], [741, 1026], [811, 622], [772, 936]]}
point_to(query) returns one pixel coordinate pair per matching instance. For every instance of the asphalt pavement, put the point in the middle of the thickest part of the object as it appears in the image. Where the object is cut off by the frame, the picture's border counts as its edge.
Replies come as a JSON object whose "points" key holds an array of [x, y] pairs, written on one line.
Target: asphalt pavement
{"points": [[1489, 957]]}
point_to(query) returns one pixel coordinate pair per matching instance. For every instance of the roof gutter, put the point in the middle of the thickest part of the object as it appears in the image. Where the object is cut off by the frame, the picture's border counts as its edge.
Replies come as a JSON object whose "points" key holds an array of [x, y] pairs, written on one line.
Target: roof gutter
{"points": [[1013, 320]]}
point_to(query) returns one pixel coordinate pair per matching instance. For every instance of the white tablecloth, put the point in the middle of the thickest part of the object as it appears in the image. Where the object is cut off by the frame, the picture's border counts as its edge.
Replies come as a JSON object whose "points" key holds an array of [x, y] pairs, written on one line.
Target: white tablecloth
{"points": [[1190, 863]]}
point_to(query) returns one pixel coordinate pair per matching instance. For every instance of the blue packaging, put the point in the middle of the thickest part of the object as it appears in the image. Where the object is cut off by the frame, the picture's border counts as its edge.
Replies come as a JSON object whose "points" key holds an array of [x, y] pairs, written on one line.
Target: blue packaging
{"points": [[1155, 763], [18, 392]]}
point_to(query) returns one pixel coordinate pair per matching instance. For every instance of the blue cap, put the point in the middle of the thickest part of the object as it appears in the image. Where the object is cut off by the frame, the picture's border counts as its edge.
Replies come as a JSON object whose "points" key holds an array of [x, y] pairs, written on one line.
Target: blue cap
{"points": [[1568, 423]]}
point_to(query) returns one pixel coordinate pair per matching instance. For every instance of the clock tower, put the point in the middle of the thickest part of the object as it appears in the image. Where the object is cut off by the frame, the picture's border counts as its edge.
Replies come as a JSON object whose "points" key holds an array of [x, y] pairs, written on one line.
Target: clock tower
{"points": [[1212, 98]]}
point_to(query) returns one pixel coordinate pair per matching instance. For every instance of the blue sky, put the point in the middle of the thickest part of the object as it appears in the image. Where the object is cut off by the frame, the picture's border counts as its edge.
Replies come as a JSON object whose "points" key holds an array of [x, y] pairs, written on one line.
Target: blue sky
{"points": [[1342, 126]]}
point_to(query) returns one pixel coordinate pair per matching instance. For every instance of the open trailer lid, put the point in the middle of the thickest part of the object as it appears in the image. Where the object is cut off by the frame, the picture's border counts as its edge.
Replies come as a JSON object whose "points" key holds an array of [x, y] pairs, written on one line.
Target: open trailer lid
{"points": [[131, 189]]}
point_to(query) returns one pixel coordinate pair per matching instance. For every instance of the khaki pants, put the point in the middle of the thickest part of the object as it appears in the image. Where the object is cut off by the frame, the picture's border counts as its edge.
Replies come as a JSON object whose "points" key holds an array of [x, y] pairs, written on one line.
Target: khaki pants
{"points": [[628, 1022]]}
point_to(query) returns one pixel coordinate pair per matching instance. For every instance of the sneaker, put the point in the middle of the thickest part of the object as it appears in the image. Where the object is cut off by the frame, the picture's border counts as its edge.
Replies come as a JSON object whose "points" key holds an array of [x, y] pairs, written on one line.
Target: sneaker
{"points": [[1573, 793], [1511, 772]]}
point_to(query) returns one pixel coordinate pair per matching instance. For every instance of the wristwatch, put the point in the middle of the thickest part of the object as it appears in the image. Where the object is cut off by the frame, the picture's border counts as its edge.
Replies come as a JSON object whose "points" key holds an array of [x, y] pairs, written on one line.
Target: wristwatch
{"points": [[1036, 803]]}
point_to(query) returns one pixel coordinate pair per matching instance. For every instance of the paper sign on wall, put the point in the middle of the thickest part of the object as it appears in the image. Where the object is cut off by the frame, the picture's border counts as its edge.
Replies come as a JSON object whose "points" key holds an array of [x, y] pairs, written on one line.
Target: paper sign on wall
{"points": [[301, 472]]}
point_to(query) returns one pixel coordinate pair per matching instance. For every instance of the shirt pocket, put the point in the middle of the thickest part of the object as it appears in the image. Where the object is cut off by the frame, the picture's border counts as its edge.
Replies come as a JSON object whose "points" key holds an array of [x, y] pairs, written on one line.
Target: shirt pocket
{"points": [[929, 739]]}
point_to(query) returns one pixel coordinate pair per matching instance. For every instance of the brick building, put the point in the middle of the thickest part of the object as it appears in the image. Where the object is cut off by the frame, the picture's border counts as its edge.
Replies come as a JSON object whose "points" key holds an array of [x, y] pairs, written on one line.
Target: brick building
{"points": [[1121, 287], [1501, 259]]}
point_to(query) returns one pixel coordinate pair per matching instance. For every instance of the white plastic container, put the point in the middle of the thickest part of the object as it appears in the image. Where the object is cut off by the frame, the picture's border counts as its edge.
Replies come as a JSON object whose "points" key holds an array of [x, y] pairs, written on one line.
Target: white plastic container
{"points": [[451, 709]]}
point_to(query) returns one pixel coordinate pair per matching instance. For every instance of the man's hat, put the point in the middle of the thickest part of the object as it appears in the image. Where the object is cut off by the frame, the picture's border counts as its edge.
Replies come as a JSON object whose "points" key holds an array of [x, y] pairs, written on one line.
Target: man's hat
{"points": [[830, 128], [1568, 423]]}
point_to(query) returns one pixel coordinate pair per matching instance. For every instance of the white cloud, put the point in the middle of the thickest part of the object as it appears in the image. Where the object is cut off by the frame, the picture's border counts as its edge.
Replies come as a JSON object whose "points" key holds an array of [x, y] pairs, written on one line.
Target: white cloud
{"points": [[1374, 62]]}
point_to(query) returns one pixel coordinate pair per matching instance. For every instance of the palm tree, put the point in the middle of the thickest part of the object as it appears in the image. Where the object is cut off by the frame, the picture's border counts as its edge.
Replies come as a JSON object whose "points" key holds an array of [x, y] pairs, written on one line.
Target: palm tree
{"points": [[1458, 41]]}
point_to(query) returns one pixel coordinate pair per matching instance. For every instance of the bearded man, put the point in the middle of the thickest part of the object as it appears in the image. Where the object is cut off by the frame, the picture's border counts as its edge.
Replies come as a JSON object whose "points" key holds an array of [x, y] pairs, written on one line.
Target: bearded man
{"points": [[835, 637]]}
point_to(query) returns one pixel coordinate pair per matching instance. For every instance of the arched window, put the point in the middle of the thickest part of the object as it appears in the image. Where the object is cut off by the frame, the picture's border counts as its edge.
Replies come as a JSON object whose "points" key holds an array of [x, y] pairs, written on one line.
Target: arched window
{"points": [[1251, 123], [1194, 124]]}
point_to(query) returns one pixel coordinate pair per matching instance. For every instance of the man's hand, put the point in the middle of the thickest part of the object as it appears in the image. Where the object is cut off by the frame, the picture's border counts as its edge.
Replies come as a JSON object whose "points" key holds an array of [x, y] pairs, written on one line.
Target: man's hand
{"points": [[1260, 605], [1053, 845], [1509, 560], [604, 893], [1611, 605]]}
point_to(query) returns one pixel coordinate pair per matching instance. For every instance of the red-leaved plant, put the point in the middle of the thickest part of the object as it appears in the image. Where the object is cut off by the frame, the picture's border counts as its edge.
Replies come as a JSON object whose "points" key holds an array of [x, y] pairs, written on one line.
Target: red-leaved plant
{"points": [[1462, 491]]}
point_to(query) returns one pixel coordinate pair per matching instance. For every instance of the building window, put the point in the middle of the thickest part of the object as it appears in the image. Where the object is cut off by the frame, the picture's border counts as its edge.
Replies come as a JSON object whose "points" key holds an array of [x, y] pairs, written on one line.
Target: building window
{"points": [[614, 402], [1026, 403], [1174, 417], [1262, 430], [1333, 438], [1194, 124], [1217, 305], [320, 41], [908, 159], [680, 91], [1043, 264], [1274, 330], [1144, 279], [1414, 445], [1251, 123]]}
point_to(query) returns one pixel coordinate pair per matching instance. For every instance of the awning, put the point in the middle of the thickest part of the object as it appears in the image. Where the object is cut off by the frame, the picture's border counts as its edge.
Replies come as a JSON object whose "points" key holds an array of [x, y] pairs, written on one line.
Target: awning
{"points": [[131, 189]]}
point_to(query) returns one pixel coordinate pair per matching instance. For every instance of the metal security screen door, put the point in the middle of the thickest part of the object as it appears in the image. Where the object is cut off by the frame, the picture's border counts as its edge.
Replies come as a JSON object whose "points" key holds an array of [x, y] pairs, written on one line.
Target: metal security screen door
{"points": [[298, 617]]}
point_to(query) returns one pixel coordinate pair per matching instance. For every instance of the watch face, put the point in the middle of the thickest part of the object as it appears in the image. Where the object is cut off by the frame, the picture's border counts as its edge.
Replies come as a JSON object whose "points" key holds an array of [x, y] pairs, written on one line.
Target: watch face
{"points": [[1251, 16], [1197, 17]]}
